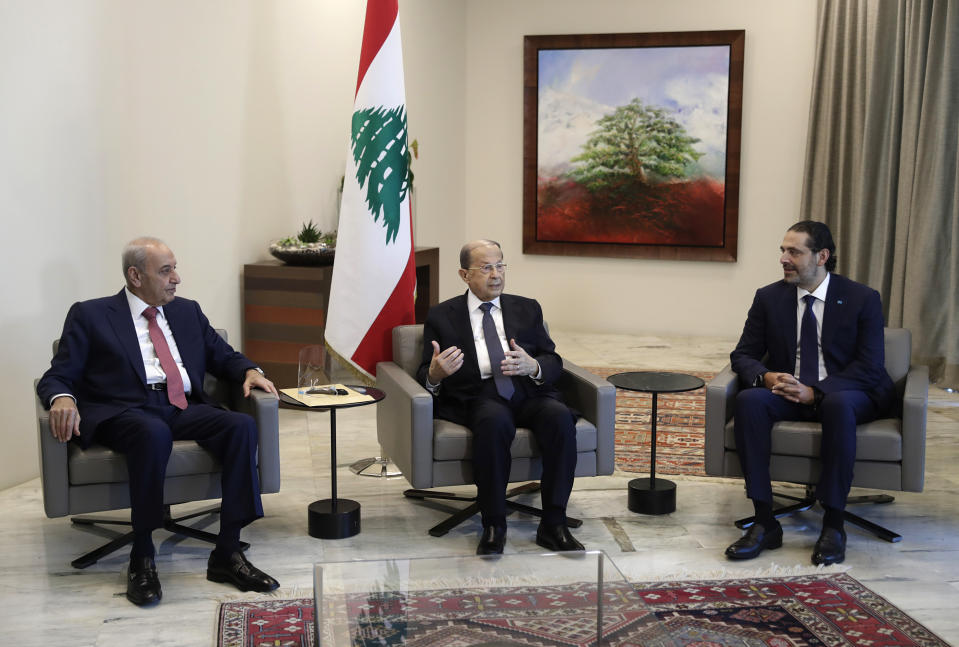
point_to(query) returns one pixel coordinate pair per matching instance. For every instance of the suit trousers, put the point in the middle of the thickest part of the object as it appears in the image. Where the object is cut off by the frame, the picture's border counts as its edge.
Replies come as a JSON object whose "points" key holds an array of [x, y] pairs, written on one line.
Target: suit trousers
{"points": [[493, 421], [757, 409], [145, 436]]}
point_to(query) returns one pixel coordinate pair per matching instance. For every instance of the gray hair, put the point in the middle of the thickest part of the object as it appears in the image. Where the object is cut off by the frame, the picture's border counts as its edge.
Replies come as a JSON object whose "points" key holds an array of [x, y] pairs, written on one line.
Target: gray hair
{"points": [[466, 252], [135, 253]]}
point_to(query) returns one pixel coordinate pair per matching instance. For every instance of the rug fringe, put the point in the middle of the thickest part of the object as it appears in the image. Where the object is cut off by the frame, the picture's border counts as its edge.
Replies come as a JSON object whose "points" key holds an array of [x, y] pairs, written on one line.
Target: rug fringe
{"points": [[725, 573], [282, 593]]}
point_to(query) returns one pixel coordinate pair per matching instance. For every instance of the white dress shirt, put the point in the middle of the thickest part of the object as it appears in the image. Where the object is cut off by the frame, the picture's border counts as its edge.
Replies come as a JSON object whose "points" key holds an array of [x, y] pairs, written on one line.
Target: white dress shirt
{"points": [[818, 307], [479, 337], [151, 363]]}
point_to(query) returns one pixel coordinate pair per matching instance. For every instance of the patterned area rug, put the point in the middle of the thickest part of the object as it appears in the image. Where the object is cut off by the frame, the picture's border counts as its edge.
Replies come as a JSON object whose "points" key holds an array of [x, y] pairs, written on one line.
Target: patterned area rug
{"points": [[680, 428], [797, 611]]}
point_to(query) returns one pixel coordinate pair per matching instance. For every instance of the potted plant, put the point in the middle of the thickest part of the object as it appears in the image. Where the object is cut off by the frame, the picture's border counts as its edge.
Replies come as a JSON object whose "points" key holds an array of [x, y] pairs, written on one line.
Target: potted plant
{"points": [[309, 247]]}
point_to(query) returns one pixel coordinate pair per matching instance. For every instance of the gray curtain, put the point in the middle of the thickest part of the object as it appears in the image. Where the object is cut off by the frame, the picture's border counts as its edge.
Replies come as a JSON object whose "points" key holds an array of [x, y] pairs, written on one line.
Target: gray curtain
{"points": [[882, 161]]}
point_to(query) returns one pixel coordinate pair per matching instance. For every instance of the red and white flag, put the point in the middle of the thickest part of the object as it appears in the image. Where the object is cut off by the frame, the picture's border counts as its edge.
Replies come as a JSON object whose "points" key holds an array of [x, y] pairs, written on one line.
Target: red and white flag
{"points": [[374, 274]]}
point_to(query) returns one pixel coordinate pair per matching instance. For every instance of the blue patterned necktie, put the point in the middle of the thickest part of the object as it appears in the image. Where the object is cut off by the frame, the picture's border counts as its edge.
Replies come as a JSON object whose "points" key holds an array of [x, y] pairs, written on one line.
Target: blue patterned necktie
{"points": [[808, 345], [504, 385]]}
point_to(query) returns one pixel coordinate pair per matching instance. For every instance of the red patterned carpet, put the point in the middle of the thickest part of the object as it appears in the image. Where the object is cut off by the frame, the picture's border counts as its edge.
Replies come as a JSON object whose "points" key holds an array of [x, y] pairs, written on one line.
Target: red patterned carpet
{"points": [[680, 428], [797, 611]]}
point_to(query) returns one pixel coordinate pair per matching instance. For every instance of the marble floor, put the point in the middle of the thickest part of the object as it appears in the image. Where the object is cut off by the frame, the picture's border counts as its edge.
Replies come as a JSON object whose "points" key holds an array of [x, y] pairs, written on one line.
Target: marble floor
{"points": [[46, 602]]}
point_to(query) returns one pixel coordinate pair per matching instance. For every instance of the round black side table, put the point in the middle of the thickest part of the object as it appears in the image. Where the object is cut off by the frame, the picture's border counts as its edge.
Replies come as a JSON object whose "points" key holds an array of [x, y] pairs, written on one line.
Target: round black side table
{"points": [[334, 518], [653, 495]]}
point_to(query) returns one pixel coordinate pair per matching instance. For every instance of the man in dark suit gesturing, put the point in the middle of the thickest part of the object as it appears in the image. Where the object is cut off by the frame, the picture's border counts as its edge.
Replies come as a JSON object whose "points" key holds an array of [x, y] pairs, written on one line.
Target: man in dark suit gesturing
{"points": [[813, 349], [128, 374], [491, 366]]}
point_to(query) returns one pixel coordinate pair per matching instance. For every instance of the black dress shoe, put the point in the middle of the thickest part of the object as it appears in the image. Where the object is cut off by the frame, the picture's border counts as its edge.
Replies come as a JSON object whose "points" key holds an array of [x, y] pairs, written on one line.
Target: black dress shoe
{"points": [[830, 547], [238, 571], [556, 538], [491, 541], [756, 539], [143, 584]]}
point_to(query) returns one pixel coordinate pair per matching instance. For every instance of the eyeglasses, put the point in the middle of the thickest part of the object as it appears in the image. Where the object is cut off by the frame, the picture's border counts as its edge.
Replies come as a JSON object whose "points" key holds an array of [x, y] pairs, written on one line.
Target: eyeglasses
{"points": [[489, 267]]}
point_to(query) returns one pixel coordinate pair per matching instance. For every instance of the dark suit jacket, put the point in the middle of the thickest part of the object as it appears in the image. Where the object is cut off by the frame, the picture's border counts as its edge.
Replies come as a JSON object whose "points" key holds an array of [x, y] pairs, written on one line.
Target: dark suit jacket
{"points": [[99, 362], [852, 338], [449, 324]]}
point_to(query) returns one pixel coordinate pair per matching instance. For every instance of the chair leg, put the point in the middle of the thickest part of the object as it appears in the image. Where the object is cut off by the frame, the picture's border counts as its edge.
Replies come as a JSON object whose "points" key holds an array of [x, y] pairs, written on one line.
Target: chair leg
{"points": [[808, 500], [459, 516], [171, 524]]}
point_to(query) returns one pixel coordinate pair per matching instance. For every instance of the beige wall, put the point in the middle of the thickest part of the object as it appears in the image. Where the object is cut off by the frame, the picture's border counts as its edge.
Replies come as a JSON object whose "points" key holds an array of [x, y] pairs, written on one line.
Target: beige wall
{"points": [[221, 124]]}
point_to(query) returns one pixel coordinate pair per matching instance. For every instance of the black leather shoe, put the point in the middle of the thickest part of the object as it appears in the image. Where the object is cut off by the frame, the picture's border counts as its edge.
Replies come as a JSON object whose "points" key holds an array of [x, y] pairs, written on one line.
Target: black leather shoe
{"points": [[238, 571], [143, 584], [830, 547], [491, 541], [756, 539], [556, 538]]}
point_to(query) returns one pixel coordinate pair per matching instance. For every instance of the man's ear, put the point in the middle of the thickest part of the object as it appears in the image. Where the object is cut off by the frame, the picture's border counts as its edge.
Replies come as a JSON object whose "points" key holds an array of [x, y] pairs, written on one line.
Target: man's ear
{"points": [[463, 274], [823, 255], [133, 276]]}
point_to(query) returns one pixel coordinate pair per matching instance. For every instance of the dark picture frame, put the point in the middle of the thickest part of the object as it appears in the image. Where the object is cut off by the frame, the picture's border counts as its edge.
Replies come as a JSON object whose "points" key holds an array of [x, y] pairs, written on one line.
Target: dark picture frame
{"points": [[658, 177]]}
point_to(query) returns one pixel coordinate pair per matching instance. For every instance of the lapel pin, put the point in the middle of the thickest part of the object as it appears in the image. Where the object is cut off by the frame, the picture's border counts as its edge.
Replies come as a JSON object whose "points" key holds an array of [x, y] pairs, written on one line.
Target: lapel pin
{"points": [[839, 301]]}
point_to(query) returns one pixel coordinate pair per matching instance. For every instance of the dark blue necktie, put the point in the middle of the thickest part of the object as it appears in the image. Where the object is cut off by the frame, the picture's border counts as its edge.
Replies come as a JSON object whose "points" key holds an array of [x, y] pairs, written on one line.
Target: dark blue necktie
{"points": [[808, 345], [504, 385]]}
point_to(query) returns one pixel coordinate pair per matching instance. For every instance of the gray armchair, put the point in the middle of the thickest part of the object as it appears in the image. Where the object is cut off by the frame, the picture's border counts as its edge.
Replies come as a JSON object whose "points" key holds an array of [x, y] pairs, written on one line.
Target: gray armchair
{"points": [[77, 481], [435, 453], [890, 452]]}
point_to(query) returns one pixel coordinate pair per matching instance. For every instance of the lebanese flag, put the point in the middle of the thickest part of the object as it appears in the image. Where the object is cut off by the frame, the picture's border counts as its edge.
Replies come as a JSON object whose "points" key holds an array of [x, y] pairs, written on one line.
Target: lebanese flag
{"points": [[374, 274]]}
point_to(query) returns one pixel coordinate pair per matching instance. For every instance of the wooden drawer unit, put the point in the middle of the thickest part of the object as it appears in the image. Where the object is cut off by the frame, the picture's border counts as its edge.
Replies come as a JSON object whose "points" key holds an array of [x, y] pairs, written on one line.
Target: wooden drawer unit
{"points": [[284, 309]]}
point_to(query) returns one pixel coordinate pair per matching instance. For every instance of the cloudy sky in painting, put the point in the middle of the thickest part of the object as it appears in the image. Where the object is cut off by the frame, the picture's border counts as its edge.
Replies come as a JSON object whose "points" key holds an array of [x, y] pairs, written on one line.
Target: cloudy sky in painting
{"points": [[578, 86]]}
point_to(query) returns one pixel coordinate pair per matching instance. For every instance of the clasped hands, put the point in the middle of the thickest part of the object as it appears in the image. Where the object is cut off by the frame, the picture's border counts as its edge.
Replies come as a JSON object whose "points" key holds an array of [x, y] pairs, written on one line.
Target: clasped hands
{"points": [[444, 363], [787, 386], [65, 418]]}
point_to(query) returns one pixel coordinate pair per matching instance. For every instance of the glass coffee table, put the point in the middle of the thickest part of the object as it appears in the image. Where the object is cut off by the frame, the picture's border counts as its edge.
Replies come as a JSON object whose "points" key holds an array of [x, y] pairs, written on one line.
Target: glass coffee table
{"points": [[576, 598]]}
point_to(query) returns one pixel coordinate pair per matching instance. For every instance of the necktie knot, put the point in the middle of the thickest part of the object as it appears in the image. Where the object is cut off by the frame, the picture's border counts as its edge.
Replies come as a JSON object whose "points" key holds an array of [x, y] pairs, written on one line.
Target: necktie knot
{"points": [[150, 313], [809, 299], [486, 307]]}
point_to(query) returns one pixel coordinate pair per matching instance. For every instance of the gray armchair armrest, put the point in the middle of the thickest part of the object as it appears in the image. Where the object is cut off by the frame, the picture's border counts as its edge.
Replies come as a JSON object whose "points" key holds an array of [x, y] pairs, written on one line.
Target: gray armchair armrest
{"points": [[404, 423], [720, 407], [266, 411], [54, 473], [595, 399], [915, 402]]}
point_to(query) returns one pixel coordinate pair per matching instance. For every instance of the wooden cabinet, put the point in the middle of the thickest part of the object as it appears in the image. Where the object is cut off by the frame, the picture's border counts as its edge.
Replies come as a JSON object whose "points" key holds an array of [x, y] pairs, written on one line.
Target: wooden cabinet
{"points": [[284, 309]]}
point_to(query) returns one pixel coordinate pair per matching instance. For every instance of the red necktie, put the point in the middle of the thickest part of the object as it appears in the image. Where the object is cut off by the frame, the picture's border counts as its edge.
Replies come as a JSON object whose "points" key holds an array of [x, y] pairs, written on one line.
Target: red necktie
{"points": [[174, 383]]}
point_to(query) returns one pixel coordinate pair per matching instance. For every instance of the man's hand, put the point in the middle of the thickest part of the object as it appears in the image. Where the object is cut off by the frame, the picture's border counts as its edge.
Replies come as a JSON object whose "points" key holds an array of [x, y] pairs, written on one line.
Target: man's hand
{"points": [[64, 419], [445, 363], [518, 362], [787, 386], [255, 379]]}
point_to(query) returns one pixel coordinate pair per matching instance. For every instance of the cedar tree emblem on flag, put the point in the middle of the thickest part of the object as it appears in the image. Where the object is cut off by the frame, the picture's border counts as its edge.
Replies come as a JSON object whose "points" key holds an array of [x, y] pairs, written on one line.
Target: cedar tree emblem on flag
{"points": [[379, 150]]}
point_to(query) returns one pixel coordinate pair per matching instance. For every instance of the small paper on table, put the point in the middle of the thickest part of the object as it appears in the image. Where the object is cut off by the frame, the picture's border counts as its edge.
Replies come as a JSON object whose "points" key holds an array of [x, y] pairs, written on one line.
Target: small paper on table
{"points": [[320, 400]]}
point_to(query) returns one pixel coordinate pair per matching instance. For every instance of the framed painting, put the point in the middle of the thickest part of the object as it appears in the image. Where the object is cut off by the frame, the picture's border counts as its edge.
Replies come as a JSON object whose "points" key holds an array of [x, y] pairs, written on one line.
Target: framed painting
{"points": [[631, 144]]}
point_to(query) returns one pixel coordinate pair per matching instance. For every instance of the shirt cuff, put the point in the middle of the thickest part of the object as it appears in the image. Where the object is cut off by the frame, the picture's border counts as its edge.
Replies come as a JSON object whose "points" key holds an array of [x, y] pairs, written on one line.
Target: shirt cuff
{"points": [[432, 388], [538, 378], [62, 395]]}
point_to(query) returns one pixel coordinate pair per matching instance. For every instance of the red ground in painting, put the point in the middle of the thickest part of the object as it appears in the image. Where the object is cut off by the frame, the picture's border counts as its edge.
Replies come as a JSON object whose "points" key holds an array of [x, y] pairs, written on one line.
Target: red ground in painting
{"points": [[675, 213]]}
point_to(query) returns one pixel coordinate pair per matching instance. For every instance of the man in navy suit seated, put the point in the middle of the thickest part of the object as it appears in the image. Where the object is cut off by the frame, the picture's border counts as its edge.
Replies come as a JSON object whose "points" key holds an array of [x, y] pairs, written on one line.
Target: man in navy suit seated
{"points": [[813, 349], [491, 366], [128, 374]]}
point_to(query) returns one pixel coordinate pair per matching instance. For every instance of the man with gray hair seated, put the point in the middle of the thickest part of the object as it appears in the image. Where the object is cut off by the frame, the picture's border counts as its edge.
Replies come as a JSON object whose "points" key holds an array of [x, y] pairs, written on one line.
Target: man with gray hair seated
{"points": [[491, 366], [128, 374]]}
